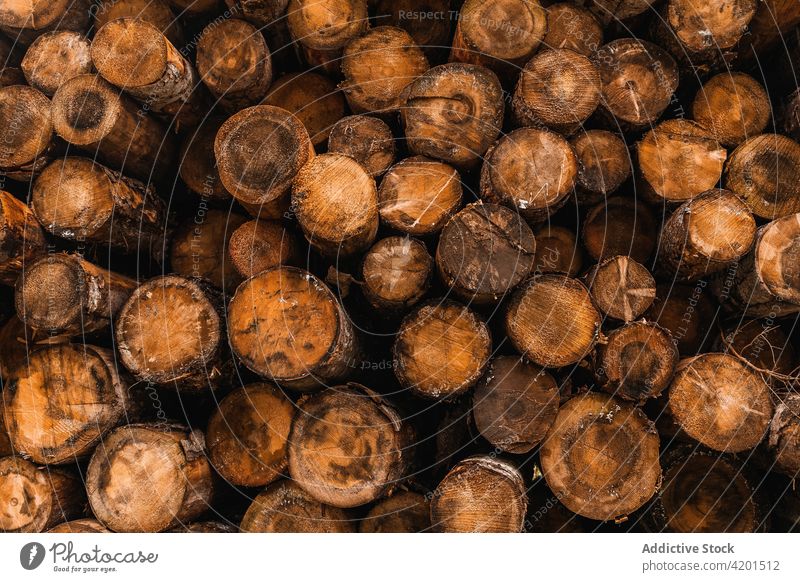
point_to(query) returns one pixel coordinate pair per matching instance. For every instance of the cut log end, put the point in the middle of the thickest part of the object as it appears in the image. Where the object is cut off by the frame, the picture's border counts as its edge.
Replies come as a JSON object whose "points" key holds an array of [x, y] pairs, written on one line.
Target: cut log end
{"points": [[622, 288], [366, 139], [396, 272]]}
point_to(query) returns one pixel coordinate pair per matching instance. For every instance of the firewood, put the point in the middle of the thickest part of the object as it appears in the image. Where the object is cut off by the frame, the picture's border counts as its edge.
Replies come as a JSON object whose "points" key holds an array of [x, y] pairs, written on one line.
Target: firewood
{"points": [[322, 28], [480, 494], [348, 446], [198, 167], [83, 525], [530, 170], [171, 331], [207, 527], [156, 12], [366, 139], [686, 312], [78, 199], [552, 320], [514, 404], [601, 457], [258, 151], [200, 248], [287, 325], [65, 294], [234, 63], [135, 56], [34, 499], [25, 113], [21, 238], [258, 245], [611, 11], [679, 160], [720, 402], [604, 164], [247, 435], [91, 114], [260, 12], [638, 79], [403, 512], [637, 361], [572, 27], [484, 252], [195, 7], [733, 107], [432, 35], [25, 21], [378, 66], [706, 235], [46, 412], [396, 272], [16, 341], [764, 345], [764, 171], [557, 251], [499, 34], [441, 350], [312, 98], [621, 288], [149, 478], [620, 226], [453, 112], [784, 436], [56, 57], [418, 195], [559, 89], [284, 507], [772, 23], [336, 203]]}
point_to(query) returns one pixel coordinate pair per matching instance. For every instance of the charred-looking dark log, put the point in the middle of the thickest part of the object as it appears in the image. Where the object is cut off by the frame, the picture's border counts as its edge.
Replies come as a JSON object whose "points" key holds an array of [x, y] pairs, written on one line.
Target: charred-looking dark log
{"points": [[25, 113], [558, 88], [686, 312], [784, 436], [62, 400], [704, 492], [259, 150], [530, 170], [601, 457], [514, 404], [480, 494], [766, 282], [620, 226], [66, 294], [403, 512], [56, 57], [79, 199], [604, 163], [248, 434], [287, 325], [284, 507], [21, 238], [720, 402], [678, 160], [572, 27], [312, 98], [557, 251], [83, 525], [621, 288], [765, 172], [336, 203], [418, 195], [135, 56], [322, 28], [366, 139], [171, 331], [706, 235], [733, 107], [396, 273], [156, 12], [552, 320], [258, 245], [499, 34], [453, 112], [34, 499], [149, 478], [348, 446], [637, 361], [484, 252], [91, 114], [638, 80], [234, 62], [378, 66], [441, 350]]}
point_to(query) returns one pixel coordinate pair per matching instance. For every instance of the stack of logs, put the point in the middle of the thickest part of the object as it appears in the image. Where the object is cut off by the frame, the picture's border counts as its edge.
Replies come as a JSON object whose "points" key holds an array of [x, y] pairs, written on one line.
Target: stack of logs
{"points": [[398, 266]]}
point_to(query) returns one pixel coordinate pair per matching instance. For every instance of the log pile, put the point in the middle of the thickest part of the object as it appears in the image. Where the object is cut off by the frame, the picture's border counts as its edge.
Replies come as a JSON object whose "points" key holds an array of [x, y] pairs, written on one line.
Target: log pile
{"points": [[398, 266]]}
